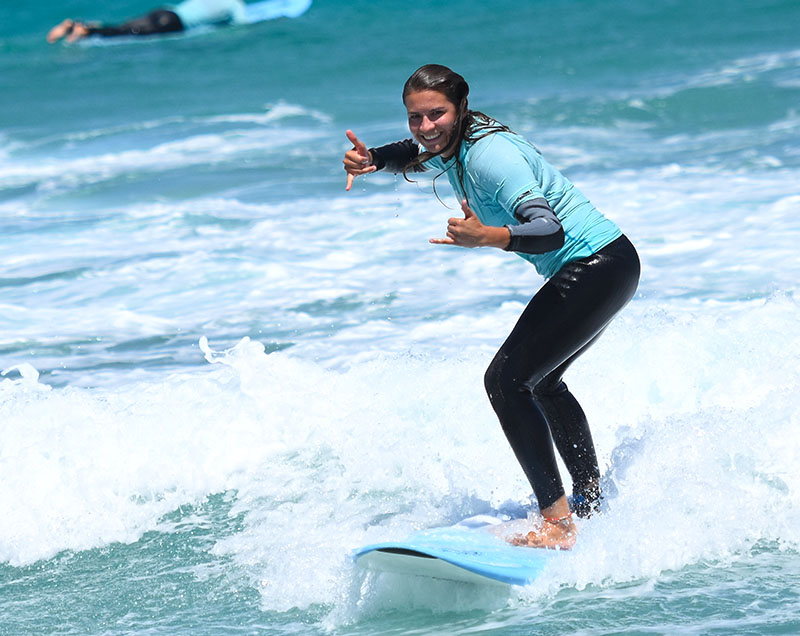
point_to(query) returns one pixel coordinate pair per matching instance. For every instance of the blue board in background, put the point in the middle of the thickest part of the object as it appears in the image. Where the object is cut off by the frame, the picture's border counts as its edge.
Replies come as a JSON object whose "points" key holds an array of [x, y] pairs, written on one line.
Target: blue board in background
{"points": [[472, 551], [272, 9]]}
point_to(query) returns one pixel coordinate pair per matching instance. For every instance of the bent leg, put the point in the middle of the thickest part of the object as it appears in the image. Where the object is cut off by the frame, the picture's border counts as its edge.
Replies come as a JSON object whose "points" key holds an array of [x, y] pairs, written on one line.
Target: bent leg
{"points": [[534, 413], [561, 321]]}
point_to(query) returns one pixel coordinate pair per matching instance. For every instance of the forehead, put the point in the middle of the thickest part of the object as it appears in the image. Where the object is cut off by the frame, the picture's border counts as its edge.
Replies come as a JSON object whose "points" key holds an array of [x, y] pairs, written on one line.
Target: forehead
{"points": [[424, 101]]}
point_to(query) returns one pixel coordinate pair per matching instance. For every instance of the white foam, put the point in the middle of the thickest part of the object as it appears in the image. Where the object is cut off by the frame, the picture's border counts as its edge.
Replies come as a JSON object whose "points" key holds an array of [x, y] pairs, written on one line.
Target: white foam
{"points": [[692, 417], [747, 68], [197, 149], [273, 113]]}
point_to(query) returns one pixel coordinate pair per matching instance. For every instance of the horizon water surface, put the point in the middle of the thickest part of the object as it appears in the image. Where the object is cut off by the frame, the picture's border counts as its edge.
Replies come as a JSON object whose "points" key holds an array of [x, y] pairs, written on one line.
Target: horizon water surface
{"points": [[221, 372]]}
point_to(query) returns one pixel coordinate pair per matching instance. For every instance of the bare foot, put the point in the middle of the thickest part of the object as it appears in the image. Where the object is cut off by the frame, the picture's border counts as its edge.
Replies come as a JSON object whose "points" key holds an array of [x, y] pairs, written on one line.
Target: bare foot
{"points": [[554, 534], [60, 30], [78, 31]]}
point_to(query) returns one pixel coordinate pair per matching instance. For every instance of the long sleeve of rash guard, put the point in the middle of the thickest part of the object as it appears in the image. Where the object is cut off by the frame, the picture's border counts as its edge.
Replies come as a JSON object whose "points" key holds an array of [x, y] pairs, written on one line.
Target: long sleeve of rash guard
{"points": [[395, 156], [539, 230]]}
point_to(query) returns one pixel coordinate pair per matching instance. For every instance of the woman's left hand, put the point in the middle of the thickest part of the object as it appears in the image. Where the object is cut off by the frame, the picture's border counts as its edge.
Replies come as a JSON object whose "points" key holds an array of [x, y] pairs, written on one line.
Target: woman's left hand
{"points": [[470, 232]]}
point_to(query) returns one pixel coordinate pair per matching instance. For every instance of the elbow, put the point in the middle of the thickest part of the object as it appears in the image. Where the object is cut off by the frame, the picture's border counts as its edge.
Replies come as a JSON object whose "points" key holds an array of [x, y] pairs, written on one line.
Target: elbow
{"points": [[558, 239]]}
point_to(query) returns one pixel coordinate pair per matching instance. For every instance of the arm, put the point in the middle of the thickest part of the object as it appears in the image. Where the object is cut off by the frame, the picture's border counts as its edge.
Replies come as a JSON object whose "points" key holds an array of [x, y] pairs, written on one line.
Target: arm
{"points": [[539, 230], [395, 156]]}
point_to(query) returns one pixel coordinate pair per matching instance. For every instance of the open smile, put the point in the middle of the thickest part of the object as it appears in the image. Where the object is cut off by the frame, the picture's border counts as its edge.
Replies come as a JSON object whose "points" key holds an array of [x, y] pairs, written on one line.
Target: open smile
{"points": [[432, 139]]}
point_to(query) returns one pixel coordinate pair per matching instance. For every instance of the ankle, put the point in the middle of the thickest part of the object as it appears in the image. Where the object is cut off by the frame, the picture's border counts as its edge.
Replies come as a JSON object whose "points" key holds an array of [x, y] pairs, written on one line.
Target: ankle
{"points": [[563, 520]]}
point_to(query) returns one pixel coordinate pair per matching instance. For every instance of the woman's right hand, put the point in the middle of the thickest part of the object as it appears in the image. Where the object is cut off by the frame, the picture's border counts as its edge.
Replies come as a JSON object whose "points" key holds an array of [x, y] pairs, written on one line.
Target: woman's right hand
{"points": [[357, 161]]}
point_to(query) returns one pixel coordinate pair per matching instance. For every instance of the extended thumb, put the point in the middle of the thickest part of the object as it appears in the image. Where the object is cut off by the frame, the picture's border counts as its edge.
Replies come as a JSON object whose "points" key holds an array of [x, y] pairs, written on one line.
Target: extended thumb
{"points": [[466, 209]]}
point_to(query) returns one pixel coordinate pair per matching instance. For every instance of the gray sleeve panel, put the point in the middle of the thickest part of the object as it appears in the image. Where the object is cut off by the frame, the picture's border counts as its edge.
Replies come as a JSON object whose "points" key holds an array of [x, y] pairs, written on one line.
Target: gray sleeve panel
{"points": [[395, 156], [539, 230]]}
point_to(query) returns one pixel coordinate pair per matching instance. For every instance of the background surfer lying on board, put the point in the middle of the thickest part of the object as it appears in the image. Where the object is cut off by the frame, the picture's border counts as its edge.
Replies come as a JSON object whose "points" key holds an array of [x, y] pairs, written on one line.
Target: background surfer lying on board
{"points": [[512, 199], [186, 15]]}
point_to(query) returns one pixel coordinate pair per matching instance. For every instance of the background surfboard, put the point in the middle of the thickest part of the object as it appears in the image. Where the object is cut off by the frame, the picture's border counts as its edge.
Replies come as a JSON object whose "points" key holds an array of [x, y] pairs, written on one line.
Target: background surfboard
{"points": [[271, 9]]}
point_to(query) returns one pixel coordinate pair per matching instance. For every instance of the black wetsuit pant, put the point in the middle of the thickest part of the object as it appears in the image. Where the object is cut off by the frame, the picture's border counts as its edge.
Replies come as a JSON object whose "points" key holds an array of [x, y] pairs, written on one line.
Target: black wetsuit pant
{"points": [[524, 383], [158, 21]]}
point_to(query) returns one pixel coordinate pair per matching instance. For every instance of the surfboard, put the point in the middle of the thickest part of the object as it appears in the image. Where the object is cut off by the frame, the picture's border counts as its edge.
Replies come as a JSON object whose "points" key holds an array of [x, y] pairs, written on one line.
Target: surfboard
{"points": [[272, 9], [473, 551]]}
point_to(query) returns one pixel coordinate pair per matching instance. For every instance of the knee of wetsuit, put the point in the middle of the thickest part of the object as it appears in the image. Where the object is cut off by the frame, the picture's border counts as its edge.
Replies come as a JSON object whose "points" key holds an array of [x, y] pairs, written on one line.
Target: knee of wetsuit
{"points": [[500, 379], [491, 378]]}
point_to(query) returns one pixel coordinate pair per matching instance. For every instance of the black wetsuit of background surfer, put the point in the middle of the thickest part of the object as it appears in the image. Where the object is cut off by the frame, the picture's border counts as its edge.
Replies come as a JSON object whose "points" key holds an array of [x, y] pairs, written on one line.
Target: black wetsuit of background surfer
{"points": [[158, 21]]}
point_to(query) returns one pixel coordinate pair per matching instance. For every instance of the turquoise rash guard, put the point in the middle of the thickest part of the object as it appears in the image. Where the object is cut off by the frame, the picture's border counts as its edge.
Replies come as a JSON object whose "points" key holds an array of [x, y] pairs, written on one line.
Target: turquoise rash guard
{"points": [[503, 174]]}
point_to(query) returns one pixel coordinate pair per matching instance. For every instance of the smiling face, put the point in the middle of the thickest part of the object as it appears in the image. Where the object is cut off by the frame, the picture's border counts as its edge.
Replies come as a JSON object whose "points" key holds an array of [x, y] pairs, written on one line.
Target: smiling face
{"points": [[431, 119]]}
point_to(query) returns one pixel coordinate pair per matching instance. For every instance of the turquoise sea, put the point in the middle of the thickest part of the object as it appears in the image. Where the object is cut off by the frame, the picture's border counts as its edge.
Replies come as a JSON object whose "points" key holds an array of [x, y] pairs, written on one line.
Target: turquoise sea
{"points": [[221, 372]]}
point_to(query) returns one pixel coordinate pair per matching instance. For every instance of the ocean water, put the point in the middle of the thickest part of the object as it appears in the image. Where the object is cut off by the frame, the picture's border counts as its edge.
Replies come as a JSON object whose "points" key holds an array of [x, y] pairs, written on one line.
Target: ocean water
{"points": [[221, 372]]}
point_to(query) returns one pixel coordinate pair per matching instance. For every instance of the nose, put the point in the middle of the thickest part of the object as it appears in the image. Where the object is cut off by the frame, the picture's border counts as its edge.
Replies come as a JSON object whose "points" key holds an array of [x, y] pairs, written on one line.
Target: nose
{"points": [[426, 124]]}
